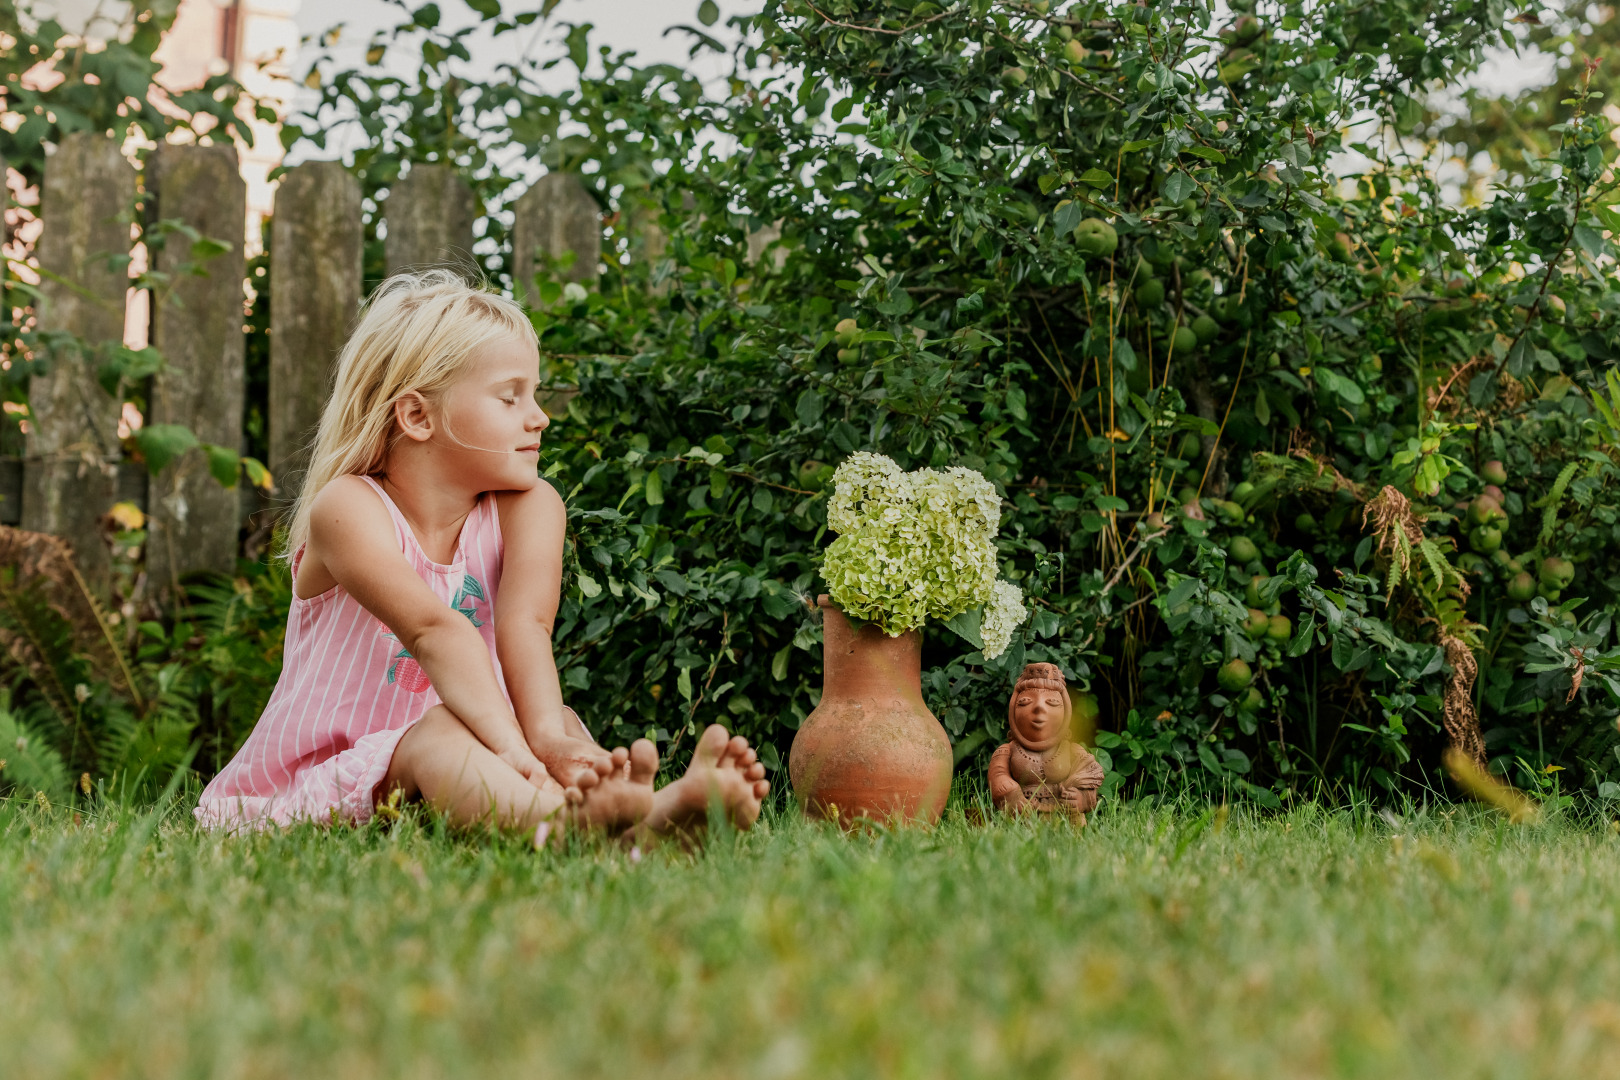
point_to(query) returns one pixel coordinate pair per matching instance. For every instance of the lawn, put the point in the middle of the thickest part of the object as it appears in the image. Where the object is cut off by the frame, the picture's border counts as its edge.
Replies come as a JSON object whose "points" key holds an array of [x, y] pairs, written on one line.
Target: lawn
{"points": [[1156, 942]]}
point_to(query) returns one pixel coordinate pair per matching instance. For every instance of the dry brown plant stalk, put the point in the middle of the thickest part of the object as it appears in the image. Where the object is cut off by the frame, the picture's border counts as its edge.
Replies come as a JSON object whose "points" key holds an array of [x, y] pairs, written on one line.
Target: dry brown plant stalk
{"points": [[1458, 715], [1472, 778], [41, 563], [1398, 533], [1303, 447], [1394, 525]]}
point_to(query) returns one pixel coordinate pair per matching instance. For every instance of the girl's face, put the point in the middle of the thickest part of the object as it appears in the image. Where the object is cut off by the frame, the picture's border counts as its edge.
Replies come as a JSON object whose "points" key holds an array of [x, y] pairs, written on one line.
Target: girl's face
{"points": [[490, 420]]}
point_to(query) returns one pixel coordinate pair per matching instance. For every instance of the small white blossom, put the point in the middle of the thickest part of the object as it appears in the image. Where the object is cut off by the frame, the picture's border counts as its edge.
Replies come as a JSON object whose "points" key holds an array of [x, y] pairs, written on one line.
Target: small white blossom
{"points": [[1002, 615]]}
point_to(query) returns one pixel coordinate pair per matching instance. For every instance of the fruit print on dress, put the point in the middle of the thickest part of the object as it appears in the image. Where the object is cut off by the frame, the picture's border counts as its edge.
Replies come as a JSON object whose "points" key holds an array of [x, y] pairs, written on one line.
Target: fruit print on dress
{"points": [[404, 671]]}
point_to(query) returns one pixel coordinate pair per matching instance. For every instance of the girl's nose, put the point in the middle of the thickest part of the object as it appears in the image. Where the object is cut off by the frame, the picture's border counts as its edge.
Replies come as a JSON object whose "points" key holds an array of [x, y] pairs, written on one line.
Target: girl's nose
{"points": [[541, 420]]}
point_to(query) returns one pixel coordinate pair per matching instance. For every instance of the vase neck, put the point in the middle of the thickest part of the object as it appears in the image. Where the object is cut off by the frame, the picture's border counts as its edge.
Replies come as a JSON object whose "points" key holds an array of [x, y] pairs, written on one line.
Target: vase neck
{"points": [[866, 662]]}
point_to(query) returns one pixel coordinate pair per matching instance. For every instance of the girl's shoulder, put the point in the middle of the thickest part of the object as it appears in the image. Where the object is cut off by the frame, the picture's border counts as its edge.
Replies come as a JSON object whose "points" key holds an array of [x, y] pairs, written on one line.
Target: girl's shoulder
{"points": [[345, 490], [349, 505], [539, 506], [347, 517]]}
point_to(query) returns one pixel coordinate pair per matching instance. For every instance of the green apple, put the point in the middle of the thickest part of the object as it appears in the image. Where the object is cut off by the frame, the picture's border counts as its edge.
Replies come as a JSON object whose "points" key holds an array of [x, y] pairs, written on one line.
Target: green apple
{"points": [[1521, 587], [1094, 236], [1485, 539], [1556, 572], [1234, 675], [1150, 293]]}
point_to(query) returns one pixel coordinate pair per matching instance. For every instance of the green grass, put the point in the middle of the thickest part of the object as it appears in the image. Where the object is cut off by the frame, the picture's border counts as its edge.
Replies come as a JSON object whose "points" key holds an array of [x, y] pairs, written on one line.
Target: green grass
{"points": [[1155, 943]]}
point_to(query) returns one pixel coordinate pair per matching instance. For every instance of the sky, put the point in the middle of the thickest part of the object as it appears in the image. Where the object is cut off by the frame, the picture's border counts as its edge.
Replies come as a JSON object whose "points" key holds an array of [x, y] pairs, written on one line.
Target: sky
{"points": [[621, 24], [641, 25]]}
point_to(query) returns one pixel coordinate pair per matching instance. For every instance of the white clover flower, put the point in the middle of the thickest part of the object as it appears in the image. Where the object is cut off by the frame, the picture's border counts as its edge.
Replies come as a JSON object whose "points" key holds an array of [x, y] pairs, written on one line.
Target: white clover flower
{"points": [[1002, 615]]}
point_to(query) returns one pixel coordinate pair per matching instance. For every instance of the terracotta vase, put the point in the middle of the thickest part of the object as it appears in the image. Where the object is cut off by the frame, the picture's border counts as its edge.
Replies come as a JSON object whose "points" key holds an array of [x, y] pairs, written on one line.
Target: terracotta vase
{"points": [[871, 748]]}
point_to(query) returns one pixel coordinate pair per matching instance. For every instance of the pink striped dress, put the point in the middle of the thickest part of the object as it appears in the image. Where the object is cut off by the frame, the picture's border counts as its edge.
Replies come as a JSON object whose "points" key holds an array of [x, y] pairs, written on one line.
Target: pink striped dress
{"points": [[348, 691]]}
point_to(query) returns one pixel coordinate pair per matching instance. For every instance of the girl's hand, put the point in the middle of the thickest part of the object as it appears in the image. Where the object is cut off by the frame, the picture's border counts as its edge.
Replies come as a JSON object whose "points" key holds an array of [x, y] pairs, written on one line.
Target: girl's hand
{"points": [[521, 758]]}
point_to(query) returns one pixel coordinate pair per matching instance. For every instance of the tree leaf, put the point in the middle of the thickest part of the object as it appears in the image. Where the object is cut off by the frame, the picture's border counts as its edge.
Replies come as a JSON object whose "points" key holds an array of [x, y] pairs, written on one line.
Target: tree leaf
{"points": [[1590, 240], [162, 443], [1068, 214], [224, 463], [965, 625], [808, 409]]}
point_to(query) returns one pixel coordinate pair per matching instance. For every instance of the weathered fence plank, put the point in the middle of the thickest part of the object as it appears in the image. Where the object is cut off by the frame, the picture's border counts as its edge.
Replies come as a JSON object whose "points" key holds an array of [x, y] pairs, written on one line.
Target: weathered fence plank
{"points": [[315, 284], [430, 214], [555, 216], [197, 326], [70, 477]]}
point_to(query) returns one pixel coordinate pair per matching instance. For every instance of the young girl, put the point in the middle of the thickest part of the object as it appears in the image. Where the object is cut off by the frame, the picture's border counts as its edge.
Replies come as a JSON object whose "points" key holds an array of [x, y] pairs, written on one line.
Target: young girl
{"points": [[427, 565]]}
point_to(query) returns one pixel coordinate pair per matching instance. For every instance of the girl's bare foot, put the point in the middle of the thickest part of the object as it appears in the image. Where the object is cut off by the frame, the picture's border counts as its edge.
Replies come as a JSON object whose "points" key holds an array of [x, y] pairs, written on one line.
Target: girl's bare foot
{"points": [[615, 793], [724, 771]]}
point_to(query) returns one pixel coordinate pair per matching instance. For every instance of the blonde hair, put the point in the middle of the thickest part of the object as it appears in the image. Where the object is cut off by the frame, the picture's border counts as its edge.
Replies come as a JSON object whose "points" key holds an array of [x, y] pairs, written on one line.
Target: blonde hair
{"points": [[417, 332]]}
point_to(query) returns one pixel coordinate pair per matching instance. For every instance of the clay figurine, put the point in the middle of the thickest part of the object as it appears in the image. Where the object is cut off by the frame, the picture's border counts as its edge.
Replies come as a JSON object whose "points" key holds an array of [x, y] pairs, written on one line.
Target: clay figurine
{"points": [[1043, 769]]}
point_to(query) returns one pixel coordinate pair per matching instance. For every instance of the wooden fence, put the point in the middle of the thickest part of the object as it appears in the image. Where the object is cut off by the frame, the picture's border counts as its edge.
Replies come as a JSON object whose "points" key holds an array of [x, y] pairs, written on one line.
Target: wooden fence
{"points": [[71, 470]]}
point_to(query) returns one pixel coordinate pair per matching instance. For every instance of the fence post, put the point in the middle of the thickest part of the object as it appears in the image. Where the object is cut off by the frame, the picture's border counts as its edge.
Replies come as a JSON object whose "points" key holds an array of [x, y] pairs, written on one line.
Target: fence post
{"points": [[315, 282], [430, 214], [554, 216], [197, 326], [70, 478]]}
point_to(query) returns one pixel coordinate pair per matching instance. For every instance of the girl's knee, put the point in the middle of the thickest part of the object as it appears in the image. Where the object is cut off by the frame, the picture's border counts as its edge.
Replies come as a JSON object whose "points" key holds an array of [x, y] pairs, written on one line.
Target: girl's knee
{"points": [[439, 729], [439, 723]]}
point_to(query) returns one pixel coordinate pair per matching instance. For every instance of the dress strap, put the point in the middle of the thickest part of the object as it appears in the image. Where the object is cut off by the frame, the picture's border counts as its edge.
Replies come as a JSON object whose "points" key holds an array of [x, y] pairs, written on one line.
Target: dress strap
{"points": [[402, 528]]}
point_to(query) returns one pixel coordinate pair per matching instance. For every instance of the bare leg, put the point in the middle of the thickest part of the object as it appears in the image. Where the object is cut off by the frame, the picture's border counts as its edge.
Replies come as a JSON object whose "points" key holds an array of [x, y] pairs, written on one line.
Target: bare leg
{"points": [[725, 771], [445, 764]]}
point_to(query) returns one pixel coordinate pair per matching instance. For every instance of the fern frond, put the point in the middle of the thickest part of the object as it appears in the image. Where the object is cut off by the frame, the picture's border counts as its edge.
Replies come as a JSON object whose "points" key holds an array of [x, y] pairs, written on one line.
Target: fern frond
{"points": [[43, 565], [39, 642], [1608, 414], [1403, 545], [31, 763], [1437, 561], [1554, 499]]}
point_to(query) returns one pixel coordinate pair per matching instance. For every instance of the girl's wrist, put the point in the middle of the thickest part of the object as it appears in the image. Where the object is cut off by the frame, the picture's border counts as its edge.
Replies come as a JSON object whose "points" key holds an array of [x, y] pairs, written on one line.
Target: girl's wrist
{"points": [[503, 735]]}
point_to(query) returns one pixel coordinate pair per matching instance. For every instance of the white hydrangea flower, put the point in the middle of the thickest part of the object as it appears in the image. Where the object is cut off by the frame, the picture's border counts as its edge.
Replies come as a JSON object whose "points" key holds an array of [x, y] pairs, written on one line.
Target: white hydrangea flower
{"points": [[1002, 615], [867, 486], [911, 546]]}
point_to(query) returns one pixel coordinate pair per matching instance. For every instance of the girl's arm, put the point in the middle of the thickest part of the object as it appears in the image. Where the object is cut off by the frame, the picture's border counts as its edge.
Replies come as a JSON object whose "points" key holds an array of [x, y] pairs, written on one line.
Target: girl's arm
{"points": [[352, 539], [533, 526]]}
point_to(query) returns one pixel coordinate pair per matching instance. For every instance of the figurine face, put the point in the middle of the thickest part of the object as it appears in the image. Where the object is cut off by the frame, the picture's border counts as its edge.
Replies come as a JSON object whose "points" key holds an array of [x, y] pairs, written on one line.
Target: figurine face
{"points": [[1038, 718]]}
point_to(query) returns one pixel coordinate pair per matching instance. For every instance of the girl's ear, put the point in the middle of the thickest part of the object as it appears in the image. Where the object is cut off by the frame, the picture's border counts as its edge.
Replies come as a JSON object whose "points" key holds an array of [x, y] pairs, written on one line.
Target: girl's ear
{"points": [[412, 415]]}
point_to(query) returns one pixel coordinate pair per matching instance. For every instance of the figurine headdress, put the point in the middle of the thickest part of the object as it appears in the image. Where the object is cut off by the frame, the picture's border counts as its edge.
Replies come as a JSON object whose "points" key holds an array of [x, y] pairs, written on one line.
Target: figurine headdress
{"points": [[1042, 677]]}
